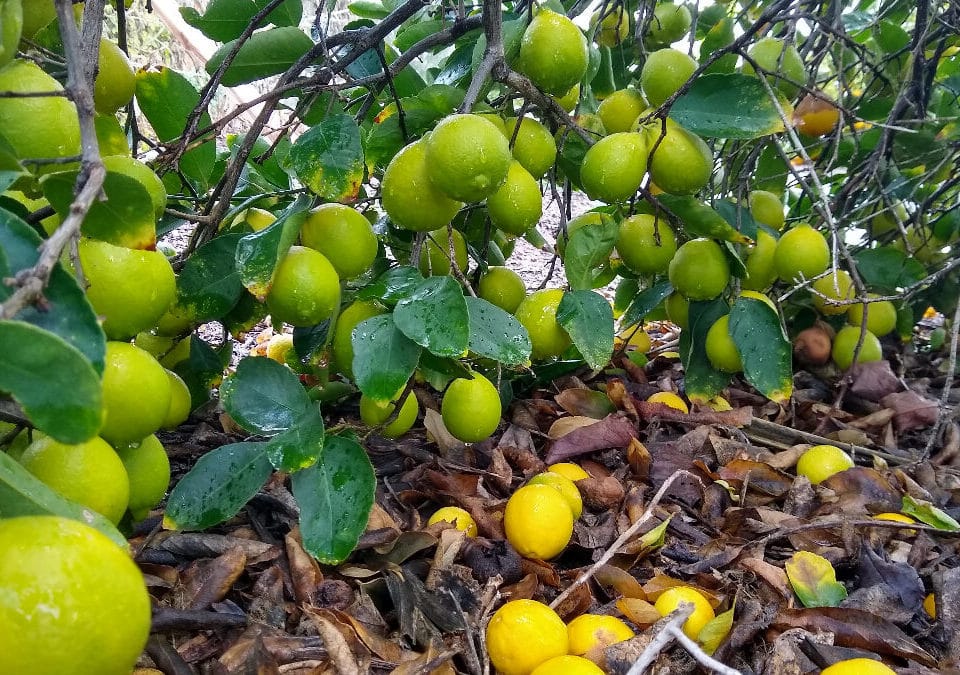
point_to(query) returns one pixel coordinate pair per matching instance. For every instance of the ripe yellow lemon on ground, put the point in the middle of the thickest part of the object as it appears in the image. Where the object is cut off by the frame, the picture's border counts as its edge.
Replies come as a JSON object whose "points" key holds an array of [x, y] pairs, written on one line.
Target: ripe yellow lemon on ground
{"points": [[564, 486], [408, 195], [435, 253], [801, 251], [572, 471], [460, 518], [845, 343], [305, 288], [760, 263], [148, 469], [614, 166], [671, 598], [681, 163], [467, 157], [73, 601], [553, 53], [538, 522], [590, 632], [930, 605], [538, 314], [523, 634], [699, 270], [895, 517], [533, 144], [517, 205], [822, 461], [115, 82], [721, 349], [181, 402], [343, 235], [620, 110], [664, 72], [567, 665], [136, 394], [837, 285], [471, 408], [38, 127], [639, 247], [881, 316], [89, 473], [858, 667], [359, 310], [374, 413], [131, 289], [502, 287], [670, 399]]}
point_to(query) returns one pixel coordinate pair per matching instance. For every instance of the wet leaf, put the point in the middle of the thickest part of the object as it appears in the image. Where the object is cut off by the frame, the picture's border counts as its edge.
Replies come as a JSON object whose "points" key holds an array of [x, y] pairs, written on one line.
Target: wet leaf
{"points": [[209, 284], [703, 381], [814, 580], [259, 253], [264, 396], [699, 219], [497, 334], [728, 106], [268, 52], [328, 159], [383, 357], [765, 350], [435, 317], [299, 446], [588, 318]]}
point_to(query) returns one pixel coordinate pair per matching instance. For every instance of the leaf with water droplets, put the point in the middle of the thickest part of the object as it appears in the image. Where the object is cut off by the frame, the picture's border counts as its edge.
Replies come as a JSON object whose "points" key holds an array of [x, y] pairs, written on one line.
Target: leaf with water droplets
{"points": [[496, 334], [729, 106], [764, 348], [435, 317]]}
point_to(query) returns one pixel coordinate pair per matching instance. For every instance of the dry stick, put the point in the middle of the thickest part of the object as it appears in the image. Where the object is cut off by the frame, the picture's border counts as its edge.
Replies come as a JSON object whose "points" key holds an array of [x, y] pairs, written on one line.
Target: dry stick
{"points": [[673, 630], [625, 537], [81, 67], [942, 417], [761, 430]]}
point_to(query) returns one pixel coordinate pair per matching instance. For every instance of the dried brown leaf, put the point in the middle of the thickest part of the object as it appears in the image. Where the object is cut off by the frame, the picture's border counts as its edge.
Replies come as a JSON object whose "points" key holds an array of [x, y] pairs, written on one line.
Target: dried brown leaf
{"points": [[873, 380], [613, 431], [621, 581], [912, 410], [585, 402], [209, 581], [565, 425]]}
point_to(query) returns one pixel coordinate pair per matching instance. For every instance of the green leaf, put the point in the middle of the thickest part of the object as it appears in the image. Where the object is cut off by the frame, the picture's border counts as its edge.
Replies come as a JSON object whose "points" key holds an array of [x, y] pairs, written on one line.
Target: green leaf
{"points": [[335, 497], [264, 396], [53, 381], [727, 106], [368, 9], [435, 317], [888, 269], [266, 53], [700, 220], [202, 367], [716, 631], [299, 446], [497, 334], [587, 254], [588, 318], [928, 514], [701, 380], [765, 350], [814, 580], [166, 98], [738, 216], [411, 34], [218, 486], [23, 494], [644, 302], [420, 113], [66, 312], [328, 159], [225, 20], [209, 283], [383, 357], [124, 218], [393, 285], [259, 253]]}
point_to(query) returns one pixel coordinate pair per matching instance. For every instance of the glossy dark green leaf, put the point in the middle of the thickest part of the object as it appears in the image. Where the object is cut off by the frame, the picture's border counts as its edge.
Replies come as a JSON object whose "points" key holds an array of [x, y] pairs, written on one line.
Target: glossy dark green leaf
{"points": [[52, 380], [218, 486], [393, 285], [124, 218], [264, 396], [435, 317], [299, 446], [202, 368], [166, 98], [701, 380], [587, 254], [209, 284], [496, 334], [588, 318], [644, 303], [266, 53], [383, 357], [738, 216], [888, 269], [23, 494], [764, 348], [66, 312], [700, 220], [328, 159], [335, 497], [727, 106], [225, 20], [264, 163], [259, 253], [368, 9]]}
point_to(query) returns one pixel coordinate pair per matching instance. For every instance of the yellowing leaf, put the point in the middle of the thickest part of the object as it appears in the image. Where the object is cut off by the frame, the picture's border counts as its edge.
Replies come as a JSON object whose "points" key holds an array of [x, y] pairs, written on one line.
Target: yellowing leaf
{"points": [[814, 580], [716, 630], [929, 514]]}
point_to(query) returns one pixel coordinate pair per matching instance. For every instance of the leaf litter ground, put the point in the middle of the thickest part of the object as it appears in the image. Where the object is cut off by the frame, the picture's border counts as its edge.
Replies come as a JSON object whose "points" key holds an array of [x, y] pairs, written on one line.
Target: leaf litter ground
{"points": [[245, 597]]}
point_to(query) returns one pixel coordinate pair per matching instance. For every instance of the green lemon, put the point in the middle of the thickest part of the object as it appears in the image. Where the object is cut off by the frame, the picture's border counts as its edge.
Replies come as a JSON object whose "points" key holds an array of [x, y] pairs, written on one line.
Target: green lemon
{"points": [[471, 408], [408, 195], [538, 314], [620, 110], [180, 402], [837, 285], [502, 287], [780, 59], [148, 468], [343, 235], [881, 316], [663, 73], [678, 310], [845, 343], [134, 168], [699, 270], [467, 157], [614, 166], [614, 26], [639, 247], [517, 205], [721, 349], [358, 311], [11, 24], [533, 144], [766, 208], [115, 82], [374, 413], [670, 23], [553, 53], [761, 268], [801, 252], [136, 394], [37, 14], [435, 253], [681, 163], [305, 289]]}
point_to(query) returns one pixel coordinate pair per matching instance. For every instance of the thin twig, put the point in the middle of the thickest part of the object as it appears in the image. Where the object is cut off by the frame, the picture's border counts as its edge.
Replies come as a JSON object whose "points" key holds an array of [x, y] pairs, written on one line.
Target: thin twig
{"points": [[673, 631]]}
